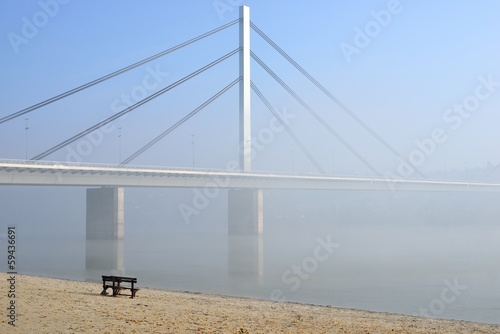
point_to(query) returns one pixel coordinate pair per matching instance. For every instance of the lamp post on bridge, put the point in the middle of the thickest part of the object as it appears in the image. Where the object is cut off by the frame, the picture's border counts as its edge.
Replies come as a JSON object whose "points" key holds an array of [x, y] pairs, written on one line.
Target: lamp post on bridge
{"points": [[119, 144], [26, 129], [192, 142], [333, 161]]}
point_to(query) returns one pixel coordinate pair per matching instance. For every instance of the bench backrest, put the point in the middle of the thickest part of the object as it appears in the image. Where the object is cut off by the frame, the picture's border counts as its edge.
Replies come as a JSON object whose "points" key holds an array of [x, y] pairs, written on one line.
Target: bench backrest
{"points": [[119, 279]]}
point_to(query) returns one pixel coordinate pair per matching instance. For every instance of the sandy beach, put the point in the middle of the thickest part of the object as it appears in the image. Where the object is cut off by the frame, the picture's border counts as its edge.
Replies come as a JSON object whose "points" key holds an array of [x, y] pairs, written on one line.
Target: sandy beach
{"points": [[47, 305]]}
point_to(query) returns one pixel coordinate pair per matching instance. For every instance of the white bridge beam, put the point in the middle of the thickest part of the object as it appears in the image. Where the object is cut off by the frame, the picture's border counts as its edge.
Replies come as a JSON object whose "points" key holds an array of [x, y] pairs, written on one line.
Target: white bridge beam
{"points": [[78, 174]]}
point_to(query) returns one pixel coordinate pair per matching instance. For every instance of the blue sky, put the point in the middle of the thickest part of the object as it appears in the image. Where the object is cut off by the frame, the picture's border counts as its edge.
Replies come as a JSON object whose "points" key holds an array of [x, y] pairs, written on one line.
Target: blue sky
{"points": [[418, 62]]}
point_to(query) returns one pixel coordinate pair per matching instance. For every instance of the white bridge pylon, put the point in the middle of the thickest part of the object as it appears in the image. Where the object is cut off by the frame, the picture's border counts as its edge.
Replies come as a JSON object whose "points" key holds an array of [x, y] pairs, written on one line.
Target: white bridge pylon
{"points": [[244, 104]]}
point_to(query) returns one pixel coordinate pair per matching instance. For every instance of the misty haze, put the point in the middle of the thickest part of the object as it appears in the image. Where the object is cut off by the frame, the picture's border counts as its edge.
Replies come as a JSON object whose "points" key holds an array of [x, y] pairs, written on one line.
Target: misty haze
{"points": [[347, 159]]}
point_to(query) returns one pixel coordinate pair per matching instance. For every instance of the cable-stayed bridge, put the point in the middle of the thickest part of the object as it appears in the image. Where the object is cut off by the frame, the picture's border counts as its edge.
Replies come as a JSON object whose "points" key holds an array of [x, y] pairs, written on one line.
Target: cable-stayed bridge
{"points": [[246, 86], [105, 217]]}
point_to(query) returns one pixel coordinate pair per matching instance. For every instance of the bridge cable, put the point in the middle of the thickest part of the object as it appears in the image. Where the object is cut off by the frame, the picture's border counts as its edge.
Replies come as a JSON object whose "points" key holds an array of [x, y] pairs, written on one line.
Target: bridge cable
{"points": [[287, 128], [134, 106], [180, 122], [313, 113], [113, 74], [332, 97]]}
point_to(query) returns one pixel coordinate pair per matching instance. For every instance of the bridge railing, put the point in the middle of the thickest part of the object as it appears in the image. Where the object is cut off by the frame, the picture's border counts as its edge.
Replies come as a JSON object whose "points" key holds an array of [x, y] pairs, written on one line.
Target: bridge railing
{"points": [[153, 167], [99, 165]]}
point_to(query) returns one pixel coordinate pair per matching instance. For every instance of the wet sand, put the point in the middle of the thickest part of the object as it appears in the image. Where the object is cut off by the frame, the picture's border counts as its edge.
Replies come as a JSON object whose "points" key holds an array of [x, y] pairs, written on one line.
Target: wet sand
{"points": [[46, 305]]}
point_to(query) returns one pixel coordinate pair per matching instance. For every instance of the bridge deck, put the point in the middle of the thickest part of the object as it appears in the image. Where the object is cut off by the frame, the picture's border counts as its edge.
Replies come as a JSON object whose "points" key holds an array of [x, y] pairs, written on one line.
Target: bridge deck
{"points": [[13, 172]]}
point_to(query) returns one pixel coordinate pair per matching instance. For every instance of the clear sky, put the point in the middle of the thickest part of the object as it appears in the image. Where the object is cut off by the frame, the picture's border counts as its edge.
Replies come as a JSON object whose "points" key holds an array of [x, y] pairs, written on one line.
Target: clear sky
{"points": [[414, 71]]}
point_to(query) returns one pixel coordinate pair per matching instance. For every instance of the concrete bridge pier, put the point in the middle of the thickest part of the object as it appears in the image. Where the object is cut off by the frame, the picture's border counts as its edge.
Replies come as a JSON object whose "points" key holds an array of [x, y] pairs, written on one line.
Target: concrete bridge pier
{"points": [[245, 227], [104, 229]]}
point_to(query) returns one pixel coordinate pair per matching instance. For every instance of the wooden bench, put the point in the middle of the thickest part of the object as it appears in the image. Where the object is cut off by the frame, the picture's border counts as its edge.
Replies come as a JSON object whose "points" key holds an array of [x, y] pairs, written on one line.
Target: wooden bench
{"points": [[115, 283]]}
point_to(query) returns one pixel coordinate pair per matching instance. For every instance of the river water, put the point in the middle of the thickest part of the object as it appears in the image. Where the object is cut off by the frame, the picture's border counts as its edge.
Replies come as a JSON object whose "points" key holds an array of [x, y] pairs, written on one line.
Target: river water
{"points": [[438, 271]]}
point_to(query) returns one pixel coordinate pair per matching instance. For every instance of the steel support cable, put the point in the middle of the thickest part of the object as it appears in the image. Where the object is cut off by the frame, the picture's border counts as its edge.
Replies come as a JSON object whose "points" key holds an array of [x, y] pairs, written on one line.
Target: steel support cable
{"points": [[332, 97], [113, 74], [287, 128], [132, 107], [313, 113], [180, 122]]}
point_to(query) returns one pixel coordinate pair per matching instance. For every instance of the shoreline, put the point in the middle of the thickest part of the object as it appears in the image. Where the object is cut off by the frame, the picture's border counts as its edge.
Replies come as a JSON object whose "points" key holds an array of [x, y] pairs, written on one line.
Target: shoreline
{"points": [[53, 305]]}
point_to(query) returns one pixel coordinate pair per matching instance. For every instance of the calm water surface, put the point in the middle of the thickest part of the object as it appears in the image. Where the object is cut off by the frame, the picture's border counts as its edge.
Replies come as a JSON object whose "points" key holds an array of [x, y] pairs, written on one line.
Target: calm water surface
{"points": [[440, 271]]}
